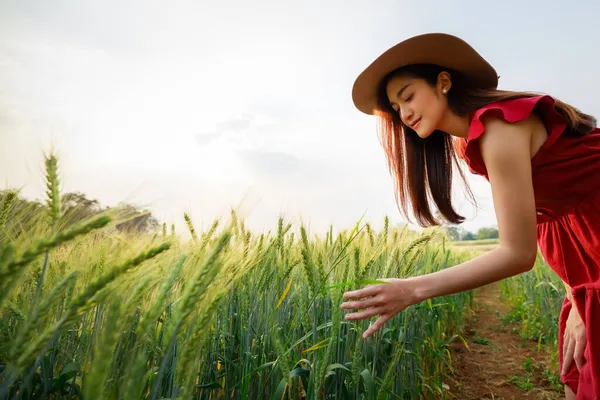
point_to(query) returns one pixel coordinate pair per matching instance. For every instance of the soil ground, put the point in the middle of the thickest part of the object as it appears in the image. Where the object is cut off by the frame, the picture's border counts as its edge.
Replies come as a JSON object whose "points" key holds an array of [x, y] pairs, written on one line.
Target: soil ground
{"points": [[497, 364]]}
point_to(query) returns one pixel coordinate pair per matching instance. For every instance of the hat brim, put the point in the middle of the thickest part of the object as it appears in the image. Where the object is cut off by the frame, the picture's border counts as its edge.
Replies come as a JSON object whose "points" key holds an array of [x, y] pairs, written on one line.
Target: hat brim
{"points": [[433, 48]]}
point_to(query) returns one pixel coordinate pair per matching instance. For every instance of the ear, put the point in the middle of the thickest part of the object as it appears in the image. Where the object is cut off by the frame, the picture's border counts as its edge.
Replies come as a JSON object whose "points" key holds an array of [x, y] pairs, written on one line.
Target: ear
{"points": [[444, 82]]}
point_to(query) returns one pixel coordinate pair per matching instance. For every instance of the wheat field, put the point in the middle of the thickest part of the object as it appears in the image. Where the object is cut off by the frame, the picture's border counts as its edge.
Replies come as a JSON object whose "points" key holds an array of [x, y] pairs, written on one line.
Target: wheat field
{"points": [[91, 312]]}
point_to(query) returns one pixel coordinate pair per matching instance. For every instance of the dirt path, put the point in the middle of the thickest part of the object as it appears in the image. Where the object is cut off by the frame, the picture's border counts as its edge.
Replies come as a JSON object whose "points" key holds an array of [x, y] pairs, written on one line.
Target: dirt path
{"points": [[498, 364]]}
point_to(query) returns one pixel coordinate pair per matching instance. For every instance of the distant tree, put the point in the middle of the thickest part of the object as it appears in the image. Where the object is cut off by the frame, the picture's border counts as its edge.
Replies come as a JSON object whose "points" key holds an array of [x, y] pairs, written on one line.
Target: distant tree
{"points": [[487, 233], [469, 236], [135, 220], [78, 200], [77, 208], [455, 232], [19, 215]]}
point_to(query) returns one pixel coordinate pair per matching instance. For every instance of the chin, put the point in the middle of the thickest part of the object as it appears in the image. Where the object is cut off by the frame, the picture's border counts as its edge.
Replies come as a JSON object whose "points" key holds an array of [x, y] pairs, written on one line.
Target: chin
{"points": [[424, 134], [422, 130]]}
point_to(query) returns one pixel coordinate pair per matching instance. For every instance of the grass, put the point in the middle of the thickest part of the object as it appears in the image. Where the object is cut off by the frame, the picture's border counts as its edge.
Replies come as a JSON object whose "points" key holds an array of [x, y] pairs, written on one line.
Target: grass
{"points": [[524, 381], [475, 247], [481, 340], [470, 243], [88, 312]]}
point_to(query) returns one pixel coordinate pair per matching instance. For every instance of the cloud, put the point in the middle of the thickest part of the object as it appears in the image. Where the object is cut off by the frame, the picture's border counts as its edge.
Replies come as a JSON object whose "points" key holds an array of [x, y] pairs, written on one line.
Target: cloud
{"points": [[270, 163], [248, 131], [206, 138], [234, 129], [243, 122]]}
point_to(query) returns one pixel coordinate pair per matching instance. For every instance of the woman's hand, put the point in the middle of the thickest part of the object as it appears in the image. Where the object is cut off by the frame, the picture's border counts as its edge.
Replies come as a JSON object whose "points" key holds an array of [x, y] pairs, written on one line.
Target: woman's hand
{"points": [[575, 340], [385, 300]]}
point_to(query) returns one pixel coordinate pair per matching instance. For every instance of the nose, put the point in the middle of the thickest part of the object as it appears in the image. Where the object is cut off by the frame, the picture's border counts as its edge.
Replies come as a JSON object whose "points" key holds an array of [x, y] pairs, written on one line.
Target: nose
{"points": [[405, 114]]}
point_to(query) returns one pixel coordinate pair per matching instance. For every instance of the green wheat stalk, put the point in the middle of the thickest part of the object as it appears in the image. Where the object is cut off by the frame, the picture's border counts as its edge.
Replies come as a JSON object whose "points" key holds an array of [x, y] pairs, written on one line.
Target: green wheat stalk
{"points": [[83, 300], [54, 212], [190, 226], [52, 190], [203, 277], [208, 235], [58, 239], [41, 313], [14, 267], [308, 264], [9, 198], [135, 384], [96, 378], [194, 294]]}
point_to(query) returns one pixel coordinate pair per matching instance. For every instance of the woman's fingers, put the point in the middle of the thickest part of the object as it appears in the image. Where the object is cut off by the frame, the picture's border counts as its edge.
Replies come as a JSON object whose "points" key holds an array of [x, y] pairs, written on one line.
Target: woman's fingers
{"points": [[385, 300], [364, 292], [376, 326], [360, 304], [568, 351], [578, 353], [363, 314]]}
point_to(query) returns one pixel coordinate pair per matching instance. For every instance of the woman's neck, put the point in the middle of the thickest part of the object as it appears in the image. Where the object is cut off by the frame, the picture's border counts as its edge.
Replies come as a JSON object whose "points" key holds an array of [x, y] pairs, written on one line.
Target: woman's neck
{"points": [[455, 125]]}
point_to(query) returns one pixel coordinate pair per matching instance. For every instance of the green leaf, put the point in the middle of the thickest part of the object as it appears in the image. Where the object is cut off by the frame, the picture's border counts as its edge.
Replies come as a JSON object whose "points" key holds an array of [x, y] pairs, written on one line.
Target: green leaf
{"points": [[278, 394], [212, 385], [317, 346], [285, 292], [70, 369], [299, 372], [369, 386], [67, 373], [331, 367]]}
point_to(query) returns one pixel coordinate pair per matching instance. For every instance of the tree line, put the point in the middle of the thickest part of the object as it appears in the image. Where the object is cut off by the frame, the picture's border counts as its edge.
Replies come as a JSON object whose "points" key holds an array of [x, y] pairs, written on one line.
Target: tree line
{"points": [[75, 207], [456, 232]]}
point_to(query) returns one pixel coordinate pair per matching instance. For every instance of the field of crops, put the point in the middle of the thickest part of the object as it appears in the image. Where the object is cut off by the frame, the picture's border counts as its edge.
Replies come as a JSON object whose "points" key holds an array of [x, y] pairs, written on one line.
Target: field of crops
{"points": [[89, 312]]}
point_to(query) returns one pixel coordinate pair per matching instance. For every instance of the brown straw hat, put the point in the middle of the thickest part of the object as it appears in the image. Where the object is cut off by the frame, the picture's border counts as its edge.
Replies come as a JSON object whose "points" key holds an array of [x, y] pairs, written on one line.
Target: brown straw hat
{"points": [[432, 48]]}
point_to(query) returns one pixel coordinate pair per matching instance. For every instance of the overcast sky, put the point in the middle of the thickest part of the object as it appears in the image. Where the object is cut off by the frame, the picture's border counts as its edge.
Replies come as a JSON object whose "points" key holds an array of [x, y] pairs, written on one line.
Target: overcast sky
{"points": [[198, 106]]}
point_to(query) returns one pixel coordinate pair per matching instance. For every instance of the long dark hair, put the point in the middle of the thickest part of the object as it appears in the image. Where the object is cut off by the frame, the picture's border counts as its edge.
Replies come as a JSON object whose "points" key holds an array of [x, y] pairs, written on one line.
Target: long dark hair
{"points": [[423, 168]]}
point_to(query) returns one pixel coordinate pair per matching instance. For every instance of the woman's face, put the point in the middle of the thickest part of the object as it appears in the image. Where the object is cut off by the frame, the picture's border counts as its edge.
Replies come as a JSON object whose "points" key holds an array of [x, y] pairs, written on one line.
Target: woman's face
{"points": [[420, 106]]}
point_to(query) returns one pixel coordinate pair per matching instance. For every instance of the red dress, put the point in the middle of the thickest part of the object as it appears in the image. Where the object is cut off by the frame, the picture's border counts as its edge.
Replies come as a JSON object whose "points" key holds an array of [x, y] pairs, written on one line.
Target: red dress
{"points": [[566, 181]]}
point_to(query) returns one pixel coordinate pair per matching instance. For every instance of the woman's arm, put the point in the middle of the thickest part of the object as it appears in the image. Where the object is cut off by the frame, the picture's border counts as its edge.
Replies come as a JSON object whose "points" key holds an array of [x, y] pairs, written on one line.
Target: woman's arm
{"points": [[506, 151]]}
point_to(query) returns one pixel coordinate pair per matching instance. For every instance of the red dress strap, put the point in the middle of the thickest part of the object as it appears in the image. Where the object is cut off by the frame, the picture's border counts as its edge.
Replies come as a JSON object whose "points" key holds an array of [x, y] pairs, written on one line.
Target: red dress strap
{"points": [[510, 111]]}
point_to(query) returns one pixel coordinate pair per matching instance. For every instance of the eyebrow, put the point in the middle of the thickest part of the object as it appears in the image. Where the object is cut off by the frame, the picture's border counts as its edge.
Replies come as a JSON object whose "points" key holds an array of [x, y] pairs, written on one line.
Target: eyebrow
{"points": [[401, 91]]}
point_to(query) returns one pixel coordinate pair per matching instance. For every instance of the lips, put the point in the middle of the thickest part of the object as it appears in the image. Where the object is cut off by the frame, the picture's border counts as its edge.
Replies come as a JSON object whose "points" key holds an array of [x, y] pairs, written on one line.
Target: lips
{"points": [[416, 123]]}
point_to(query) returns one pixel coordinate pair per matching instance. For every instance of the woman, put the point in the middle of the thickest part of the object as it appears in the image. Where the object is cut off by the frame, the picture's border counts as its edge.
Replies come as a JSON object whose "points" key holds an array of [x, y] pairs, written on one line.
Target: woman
{"points": [[436, 98]]}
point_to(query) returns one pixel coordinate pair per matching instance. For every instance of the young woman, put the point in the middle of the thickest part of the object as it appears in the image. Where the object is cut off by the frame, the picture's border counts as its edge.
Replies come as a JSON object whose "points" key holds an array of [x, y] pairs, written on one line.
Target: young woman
{"points": [[437, 101]]}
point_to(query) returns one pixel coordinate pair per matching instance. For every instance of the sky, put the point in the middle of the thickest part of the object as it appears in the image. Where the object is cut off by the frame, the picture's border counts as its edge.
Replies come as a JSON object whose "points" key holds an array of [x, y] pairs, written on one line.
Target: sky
{"points": [[197, 107]]}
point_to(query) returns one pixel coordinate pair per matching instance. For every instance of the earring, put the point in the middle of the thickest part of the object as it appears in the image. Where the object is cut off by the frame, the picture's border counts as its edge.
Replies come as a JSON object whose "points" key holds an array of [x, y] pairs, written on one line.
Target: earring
{"points": [[445, 91]]}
